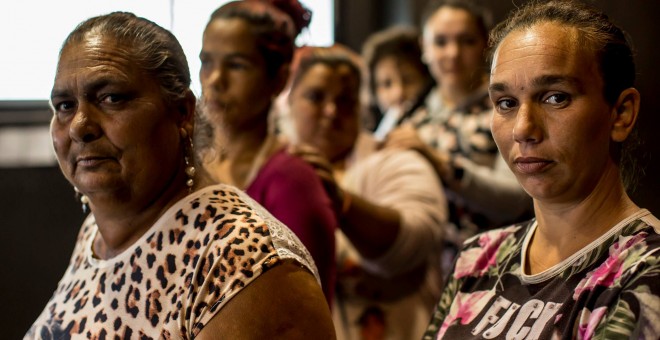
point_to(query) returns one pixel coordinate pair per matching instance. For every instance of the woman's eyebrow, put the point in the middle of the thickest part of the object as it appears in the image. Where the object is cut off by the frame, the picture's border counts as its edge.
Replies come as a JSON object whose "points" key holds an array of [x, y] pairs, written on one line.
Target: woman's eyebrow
{"points": [[541, 81], [547, 80], [92, 86], [497, 87]]}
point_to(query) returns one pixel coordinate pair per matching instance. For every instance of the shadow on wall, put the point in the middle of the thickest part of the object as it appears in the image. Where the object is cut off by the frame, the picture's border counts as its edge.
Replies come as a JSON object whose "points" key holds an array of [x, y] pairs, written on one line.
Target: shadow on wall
{"points": [[39, 216], [40, 221]]}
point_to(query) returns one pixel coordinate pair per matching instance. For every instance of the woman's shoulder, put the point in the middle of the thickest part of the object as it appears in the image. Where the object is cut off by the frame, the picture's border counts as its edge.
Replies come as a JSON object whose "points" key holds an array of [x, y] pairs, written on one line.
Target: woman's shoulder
{"points": [[651, 221], [491, 237], [282, 166], [393, 156], [368, 154], [393, 164], [641, 233], [642, 226], [491, 251], [231, 212], [389, 168], [220, 205]]}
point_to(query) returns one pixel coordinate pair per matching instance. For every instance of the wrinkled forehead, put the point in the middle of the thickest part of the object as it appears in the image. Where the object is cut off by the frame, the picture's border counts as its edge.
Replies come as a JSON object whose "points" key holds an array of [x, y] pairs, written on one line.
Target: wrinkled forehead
{"points": [[94, 42], [533, 58], [86, 64], [553, 40], [581, 39], [97, 49]]}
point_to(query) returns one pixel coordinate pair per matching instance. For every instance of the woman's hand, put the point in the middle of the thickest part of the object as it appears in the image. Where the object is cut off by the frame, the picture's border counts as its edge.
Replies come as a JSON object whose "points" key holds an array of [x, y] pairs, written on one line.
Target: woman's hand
{"points": [[406, 137], [323, 169]]}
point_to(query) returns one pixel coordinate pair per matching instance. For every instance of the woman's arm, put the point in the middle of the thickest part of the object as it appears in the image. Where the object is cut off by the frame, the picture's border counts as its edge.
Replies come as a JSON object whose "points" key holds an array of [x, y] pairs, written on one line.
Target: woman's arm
{"points": [[492, 191], [405, 183], [285, 302], [295, 196], [372, 228], [395, 212]]}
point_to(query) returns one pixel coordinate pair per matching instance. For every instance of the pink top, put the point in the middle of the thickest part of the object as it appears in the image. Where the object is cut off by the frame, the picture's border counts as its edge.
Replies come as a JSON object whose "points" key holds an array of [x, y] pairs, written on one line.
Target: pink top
{"points": [[292, 192]]}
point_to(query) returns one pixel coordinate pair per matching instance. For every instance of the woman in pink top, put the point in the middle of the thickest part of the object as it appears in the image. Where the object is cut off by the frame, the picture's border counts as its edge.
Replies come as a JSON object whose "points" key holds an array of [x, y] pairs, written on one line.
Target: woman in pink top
{"points": [[246, 52]]}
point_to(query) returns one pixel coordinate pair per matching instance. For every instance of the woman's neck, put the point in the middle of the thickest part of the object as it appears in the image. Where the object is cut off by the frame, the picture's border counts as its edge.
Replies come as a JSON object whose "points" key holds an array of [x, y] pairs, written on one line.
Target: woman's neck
{"points": [[240, 155], [564, 229], [237, 145], [122, 218], [454, 96]]}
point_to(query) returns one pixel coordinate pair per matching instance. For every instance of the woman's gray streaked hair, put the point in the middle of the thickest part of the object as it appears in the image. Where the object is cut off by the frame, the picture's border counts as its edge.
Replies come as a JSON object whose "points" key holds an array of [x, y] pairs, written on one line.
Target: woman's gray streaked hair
{"points": [[153, 48]]}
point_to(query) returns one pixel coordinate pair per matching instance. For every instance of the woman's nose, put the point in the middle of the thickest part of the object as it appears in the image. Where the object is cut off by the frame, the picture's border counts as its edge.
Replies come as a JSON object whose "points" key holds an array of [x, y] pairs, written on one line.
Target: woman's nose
{"points": [[527, 127], [452, 49], [398, 94], [216, 79], [330, 110], [83, 127]]}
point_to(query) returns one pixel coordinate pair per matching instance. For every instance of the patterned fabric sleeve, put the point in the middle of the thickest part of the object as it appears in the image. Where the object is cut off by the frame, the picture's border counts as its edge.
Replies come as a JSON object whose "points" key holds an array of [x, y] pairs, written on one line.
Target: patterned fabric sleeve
{"points": [[292, 192], [442, 308], [483, 254], [240, 251], [634, 315], [629, 307]]}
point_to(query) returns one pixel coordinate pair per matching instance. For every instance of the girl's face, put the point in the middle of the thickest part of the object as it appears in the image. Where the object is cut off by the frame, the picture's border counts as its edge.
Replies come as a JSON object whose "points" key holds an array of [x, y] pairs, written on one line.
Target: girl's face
{"points": [[454, 48], [397, 83], [236, 90], [325, 106]]}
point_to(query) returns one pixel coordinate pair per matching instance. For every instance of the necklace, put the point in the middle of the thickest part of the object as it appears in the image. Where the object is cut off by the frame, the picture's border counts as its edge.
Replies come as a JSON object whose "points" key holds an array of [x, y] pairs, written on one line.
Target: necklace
{"points": [[259, 160], [222, 170]]}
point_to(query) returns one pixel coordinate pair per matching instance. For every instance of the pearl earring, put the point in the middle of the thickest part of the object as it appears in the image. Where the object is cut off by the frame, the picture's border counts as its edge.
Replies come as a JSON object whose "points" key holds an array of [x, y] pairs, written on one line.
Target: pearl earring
{"points": [[84, 200], [187, 158]]}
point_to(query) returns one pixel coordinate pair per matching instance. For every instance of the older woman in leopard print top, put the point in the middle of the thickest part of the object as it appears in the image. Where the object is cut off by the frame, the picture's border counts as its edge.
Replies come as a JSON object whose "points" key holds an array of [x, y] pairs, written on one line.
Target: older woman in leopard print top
{"points": [[162, 255]]}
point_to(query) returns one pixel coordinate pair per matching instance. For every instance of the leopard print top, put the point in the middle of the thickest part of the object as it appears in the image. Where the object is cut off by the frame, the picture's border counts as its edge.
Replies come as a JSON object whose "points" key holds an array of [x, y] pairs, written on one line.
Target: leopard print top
{"points": [[175, 278]]}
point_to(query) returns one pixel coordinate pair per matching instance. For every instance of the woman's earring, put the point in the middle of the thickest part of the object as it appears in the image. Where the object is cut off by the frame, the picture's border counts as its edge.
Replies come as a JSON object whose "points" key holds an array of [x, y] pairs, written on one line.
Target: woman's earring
{"points": [[83, 200], [187, 158]]}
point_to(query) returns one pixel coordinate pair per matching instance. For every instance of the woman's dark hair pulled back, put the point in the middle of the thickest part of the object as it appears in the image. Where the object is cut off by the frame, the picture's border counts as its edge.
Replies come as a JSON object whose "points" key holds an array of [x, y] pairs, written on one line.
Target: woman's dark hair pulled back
{"points": [[611, 48], [482, 16], [274, 23], [399, 42], [609, 43], [152, 48]]}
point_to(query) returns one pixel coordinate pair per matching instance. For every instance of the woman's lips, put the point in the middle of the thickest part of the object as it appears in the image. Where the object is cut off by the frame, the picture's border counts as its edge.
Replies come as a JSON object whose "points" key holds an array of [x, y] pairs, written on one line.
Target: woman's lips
{"points": [[531, 165], [215, 105], [91, 161]]}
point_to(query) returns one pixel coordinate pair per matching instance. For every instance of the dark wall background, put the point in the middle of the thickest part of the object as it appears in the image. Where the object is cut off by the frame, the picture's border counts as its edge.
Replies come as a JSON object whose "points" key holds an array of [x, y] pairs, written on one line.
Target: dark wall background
{"points": [[39, 221], [640, 18]]}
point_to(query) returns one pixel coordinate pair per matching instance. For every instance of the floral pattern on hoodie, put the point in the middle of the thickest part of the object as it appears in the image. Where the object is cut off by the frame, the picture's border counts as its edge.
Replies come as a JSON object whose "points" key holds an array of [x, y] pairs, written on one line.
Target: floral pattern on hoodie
{"points": [[608, 290], [626, 248], [465, 308], [480, 260]]}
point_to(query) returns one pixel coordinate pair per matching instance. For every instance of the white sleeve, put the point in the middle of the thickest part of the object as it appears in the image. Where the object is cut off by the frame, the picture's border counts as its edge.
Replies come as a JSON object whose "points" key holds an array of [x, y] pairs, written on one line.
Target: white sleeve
{"points": [[494, 192], [404, 181]]}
